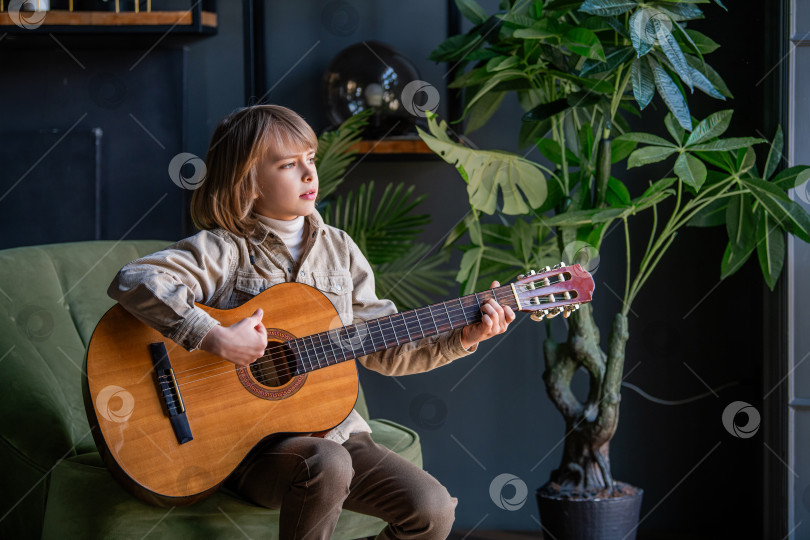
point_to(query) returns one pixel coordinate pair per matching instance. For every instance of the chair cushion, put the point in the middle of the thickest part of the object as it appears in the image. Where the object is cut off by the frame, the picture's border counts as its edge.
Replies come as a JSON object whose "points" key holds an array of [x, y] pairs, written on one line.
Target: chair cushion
{"points": [[84, 501]]}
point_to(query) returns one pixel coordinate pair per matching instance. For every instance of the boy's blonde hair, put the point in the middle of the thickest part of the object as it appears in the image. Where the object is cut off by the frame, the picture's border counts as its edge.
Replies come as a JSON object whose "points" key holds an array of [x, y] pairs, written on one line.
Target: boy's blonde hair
{"points": [[240, 141]]}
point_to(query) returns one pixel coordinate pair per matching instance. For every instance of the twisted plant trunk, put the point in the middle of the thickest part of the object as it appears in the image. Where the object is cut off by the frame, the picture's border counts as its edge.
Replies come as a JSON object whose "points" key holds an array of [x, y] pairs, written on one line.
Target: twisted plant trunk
{"points": [[589, 427]]}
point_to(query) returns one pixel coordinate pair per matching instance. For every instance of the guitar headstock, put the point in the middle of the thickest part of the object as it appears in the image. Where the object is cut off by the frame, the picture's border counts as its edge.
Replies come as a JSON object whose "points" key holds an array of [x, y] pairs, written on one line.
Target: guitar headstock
{"points": [[553, 291]]}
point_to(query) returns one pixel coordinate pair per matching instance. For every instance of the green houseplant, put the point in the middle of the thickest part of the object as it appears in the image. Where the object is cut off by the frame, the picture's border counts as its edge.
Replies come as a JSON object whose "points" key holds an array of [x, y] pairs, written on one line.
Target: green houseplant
{"points": [[579, 70]]}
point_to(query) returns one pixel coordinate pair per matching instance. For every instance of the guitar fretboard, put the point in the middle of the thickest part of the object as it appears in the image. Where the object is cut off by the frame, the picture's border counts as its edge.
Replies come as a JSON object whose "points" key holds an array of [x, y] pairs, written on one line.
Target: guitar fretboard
{"points": [[347, 342]]}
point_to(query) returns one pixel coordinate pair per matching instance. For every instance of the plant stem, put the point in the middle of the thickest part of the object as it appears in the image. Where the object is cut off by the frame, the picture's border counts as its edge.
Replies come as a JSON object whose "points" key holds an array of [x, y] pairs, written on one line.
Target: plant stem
{"points": [[626, 305]]}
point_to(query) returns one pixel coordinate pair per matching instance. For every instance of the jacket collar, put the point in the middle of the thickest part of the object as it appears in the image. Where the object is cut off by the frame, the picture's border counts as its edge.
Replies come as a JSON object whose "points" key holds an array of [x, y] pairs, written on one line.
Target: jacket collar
{"points": [[261, 231]]}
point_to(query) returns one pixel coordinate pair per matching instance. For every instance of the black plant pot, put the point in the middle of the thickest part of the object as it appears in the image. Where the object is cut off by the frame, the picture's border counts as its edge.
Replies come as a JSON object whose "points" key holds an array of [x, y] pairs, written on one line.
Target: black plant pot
{"points": [[564, 518]]}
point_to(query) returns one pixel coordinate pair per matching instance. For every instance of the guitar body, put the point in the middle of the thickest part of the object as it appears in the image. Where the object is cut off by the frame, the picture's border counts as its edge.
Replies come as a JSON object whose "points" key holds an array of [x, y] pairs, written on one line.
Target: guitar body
{"points": [[227, 409]]}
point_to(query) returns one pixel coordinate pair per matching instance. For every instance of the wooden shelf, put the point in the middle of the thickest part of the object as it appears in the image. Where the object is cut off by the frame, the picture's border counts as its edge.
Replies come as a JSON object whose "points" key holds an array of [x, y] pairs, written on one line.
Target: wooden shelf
{"points": [[393, 146], [109, 21]]}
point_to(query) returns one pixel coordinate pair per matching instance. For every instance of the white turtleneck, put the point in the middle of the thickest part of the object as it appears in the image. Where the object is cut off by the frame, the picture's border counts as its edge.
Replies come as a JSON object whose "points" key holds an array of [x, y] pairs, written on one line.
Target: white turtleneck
{"points": [[290, 231]]}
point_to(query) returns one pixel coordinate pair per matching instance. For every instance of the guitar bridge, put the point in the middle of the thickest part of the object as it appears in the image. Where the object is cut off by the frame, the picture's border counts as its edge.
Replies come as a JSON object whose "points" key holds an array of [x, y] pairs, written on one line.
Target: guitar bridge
{"points": [[170, 392]]}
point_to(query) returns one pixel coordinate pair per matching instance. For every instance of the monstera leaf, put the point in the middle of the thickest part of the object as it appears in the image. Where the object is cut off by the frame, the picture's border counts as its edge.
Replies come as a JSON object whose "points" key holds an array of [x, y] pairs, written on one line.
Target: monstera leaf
{"points": [[489, 174]]}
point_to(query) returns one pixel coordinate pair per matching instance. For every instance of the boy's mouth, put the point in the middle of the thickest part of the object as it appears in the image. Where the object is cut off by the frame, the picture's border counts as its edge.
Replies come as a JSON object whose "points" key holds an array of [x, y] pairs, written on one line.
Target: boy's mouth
{"points": [[309, 195]]}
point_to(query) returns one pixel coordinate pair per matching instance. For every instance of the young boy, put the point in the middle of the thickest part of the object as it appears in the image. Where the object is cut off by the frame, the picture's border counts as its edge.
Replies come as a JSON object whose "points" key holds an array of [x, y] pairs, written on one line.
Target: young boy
{"points": [[259, 227]]}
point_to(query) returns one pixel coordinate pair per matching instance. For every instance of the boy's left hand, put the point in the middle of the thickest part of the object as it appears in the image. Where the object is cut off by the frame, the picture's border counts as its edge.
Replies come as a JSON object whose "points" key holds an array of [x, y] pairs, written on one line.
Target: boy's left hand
{"points": [[495, 321]]}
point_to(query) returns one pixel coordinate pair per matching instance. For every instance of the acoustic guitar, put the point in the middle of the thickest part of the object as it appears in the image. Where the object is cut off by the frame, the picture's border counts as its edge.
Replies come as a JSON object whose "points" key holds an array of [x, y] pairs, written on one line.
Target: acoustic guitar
{"points": [[171, 425]]}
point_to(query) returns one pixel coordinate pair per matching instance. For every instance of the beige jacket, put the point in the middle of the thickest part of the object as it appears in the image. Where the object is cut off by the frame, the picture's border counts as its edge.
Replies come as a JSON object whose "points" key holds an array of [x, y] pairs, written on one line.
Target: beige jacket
{"points": [[221, 270]]}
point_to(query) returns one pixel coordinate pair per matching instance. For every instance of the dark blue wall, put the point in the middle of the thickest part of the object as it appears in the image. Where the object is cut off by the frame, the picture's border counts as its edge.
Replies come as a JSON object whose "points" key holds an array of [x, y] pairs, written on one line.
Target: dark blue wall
{"points": [[480, 416]]}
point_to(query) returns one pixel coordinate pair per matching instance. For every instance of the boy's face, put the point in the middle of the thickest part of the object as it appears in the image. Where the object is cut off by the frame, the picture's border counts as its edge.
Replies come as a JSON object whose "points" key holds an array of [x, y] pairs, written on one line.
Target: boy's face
{"points": [[287, 183]]}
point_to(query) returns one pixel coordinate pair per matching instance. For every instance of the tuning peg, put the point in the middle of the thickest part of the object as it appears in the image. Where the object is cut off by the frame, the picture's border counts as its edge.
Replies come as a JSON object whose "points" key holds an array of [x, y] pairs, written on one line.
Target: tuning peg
{"points": [[547, 269], [532, 272], [566, 313], [521, 276], [553, 312], [537, 316]]}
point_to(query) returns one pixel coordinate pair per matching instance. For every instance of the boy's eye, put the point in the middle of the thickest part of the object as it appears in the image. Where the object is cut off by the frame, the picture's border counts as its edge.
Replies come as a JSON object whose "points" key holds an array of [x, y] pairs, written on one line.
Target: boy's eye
{"points": [[292, 163]]}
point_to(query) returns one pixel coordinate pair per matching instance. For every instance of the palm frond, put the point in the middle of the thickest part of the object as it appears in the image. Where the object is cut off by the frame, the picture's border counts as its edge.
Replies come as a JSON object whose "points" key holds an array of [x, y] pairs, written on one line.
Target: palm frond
{"points": [[414, 280], [384, 232], [335, 154]]}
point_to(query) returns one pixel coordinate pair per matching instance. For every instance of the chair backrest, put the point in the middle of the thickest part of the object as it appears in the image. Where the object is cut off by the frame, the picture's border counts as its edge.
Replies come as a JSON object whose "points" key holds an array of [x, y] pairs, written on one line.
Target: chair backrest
{"points": [[51, 298]]}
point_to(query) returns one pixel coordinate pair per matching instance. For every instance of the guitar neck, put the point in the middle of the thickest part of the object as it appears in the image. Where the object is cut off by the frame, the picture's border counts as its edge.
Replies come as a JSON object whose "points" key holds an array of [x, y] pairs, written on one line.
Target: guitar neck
{"points": [[347, 342]]}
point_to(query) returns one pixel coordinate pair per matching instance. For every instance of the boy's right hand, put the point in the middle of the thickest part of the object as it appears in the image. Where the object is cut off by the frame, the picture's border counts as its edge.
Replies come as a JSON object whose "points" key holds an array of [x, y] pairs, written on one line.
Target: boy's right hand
{"points": [[241, 343]]}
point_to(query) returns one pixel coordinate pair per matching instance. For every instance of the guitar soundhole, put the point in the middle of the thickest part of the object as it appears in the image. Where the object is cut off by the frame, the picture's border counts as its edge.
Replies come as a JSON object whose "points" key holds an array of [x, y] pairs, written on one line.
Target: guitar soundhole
{"points": [[273, 377], [277, 369]]}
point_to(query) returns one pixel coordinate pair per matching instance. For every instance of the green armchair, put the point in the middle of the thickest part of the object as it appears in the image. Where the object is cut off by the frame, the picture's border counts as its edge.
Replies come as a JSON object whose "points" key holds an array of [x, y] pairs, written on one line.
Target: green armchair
{"points": [[54, 482]]}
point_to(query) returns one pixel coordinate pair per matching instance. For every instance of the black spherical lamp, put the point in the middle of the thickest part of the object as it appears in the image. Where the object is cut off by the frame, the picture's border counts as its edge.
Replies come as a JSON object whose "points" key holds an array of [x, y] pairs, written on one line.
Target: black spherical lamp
{"points": [[372, 75]]}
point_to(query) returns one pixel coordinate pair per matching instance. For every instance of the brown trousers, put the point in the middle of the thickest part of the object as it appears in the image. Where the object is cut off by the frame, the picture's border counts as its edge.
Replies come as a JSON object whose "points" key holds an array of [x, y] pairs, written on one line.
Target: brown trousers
{"points": [[311, 479]]}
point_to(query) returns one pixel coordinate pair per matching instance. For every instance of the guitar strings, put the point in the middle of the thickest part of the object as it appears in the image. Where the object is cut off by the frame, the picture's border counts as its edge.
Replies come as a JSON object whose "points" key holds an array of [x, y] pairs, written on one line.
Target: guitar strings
{"points": [[323, 349], [290, 372], [404, 322], [407, 319], [396, 327]]}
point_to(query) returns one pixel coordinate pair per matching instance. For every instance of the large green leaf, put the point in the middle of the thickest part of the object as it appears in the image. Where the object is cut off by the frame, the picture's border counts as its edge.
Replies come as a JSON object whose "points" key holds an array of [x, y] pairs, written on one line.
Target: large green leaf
{"points": [[642, 33], [497, 77], [583, 42], [490, 173], [472, 11], [714, 78], [672, 50], [790, 216], [647, 138], [774, 154], [617, 193], [712, 215], [456, 47], [683, 11], [792, 177], [703, 84], [613, 58], [649, 154], [722, 145], [710, 127], [483, 109], [674, 128], [741, 224], [690, 170], [643, 82], [671, 95], [607, 7], [696, 42], [576, 218], [770, 249], [734, 258], [551, 150]]}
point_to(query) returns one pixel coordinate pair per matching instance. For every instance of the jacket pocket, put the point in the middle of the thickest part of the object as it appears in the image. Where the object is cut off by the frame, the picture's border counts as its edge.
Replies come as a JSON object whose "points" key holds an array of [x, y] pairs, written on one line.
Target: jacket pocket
{"points": [[338, 289], [248, 285]]}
